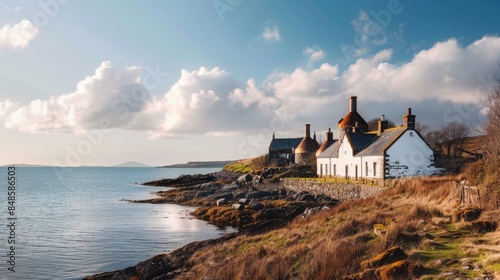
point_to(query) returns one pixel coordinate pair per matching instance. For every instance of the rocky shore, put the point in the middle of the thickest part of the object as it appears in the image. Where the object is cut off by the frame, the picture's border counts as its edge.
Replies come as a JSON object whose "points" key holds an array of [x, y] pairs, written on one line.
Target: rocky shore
{"points": [[253, 204]]}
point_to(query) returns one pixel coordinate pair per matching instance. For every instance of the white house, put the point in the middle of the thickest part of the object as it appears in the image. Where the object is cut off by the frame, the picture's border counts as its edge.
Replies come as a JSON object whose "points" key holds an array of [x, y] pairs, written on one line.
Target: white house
{"points": [[383, 154]]}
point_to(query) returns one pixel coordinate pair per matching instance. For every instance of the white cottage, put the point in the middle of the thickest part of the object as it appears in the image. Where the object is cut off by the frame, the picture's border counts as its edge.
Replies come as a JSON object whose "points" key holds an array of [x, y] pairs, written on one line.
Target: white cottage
{"points": [[383, 154]]}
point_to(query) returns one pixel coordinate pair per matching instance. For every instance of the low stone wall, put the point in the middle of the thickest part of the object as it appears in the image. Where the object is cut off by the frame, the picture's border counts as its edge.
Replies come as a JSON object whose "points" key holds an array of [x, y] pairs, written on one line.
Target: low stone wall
{"points": [[340, 191]]}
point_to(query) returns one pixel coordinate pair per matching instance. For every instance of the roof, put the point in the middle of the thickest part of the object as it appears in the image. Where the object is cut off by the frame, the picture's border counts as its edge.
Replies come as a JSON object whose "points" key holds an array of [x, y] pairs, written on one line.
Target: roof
{"points": [[308, 145], [325, 145], [332, 151], [359, 140], [366, 144], [284, 143], [351, 119], [381, 142]]}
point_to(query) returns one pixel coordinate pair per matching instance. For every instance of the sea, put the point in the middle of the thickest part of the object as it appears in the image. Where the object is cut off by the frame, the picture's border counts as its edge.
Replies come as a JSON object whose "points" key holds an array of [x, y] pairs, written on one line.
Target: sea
{"points": [[72, 222]]}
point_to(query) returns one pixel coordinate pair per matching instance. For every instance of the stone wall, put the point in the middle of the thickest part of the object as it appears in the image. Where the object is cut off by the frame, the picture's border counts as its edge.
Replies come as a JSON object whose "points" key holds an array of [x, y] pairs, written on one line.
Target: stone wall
{"points": [[340, 191]]}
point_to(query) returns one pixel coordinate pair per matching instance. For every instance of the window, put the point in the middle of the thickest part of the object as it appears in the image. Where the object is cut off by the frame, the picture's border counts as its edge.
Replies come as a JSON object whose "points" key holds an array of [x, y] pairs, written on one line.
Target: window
{"points": [[366, 169], [374, 169], [321, 170], [334, 170]]}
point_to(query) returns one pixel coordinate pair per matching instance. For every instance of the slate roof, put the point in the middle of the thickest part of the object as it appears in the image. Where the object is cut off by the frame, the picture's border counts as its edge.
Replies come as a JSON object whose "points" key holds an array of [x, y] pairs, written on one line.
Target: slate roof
{"points": [[332, 151], [284, 143], [378, 145], [359, 140], [366, 144]]}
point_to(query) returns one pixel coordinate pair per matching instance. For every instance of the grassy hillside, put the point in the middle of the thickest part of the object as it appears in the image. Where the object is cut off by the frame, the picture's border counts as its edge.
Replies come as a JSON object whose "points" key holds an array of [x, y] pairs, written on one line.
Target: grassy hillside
{"points": [[250, 165], [419, 216]]}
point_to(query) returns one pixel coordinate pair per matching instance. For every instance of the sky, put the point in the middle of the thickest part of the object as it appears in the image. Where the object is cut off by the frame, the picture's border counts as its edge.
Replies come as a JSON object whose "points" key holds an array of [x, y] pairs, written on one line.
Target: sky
{"points": [[164, 82]]}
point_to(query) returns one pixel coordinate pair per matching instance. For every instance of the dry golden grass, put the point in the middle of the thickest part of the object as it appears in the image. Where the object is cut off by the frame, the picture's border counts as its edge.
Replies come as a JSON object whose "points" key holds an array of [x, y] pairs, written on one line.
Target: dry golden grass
{"points": [[332, 244]]}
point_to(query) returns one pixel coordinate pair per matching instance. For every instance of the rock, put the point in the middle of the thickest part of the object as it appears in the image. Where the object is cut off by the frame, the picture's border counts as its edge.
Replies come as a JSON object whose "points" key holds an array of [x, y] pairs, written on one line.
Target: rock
{"points": [[183, 180], [311, 211], [202, 194], [238, 206], [223, 195], [206, 186], [239, 194], [222, 201], [256, 206], [257, 194], [244, 179], [230, 187], [305, 197], [243, 201], [392, 255]]}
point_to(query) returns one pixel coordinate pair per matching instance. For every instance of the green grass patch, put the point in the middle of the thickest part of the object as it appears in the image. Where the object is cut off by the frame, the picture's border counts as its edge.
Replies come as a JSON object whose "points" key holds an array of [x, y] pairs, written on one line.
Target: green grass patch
{"points": [[239, 167]]}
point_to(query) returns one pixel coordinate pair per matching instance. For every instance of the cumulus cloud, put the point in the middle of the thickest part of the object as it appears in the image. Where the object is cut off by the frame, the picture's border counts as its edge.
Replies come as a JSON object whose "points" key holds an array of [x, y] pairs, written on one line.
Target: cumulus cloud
{"points": [[445, 72], [18, 36], [211, 102], [111, 98], [271, 33], [315, 54]]}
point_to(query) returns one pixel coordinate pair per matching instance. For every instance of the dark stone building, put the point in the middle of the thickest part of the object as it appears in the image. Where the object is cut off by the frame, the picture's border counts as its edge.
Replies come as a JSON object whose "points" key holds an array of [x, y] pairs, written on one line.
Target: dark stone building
{"points": [[282, 150]]}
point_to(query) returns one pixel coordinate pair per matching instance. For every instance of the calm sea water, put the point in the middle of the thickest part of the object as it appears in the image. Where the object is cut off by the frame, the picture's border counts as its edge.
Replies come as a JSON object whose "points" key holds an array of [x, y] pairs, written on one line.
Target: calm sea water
{"points": [[72, 222]]}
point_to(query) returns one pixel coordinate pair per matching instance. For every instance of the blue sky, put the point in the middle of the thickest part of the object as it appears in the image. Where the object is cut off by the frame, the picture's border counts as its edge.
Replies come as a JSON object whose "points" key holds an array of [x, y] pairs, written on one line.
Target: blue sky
{"points": [[161, 82]]}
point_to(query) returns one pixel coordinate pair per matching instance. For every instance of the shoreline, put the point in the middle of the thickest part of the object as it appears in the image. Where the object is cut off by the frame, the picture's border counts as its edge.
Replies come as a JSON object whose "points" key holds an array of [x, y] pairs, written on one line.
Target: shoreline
{"points": [[225, 199]]}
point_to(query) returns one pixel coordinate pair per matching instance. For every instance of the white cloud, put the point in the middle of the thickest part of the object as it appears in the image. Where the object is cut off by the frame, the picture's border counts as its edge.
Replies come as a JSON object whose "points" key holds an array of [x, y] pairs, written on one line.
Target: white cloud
{"points": [[18, 36], [446, 72], [211, 102], [111, 98], [271, 33], [315, 54]]}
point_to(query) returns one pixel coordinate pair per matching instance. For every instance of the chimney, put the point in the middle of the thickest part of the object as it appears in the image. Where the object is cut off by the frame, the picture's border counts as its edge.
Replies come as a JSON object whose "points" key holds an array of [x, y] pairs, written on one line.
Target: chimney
{"points": [[382, 124], [409, 120], [329, 135], [273, 135], [314, 136], [353, 106], [308, 131]]}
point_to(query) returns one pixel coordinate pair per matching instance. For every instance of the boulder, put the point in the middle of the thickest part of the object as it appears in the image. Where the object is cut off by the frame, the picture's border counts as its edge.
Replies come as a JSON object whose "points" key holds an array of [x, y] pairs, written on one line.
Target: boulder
{"points": [[222, 201], [243, 201], [256, 206], [223, 195], [305, 197], [238, 206], [202, 194], [257, 194], [230, 187], [244, 179], [239, 194]]}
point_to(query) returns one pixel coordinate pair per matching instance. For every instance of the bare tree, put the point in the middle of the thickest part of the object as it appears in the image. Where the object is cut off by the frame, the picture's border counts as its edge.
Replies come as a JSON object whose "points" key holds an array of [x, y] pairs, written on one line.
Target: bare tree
{"points": [[423, 129], [491, 126], [450, 139]]}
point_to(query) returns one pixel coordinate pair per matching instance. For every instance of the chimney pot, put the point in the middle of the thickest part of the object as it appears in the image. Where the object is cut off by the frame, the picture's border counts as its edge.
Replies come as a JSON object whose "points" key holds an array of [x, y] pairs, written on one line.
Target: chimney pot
{"points": [[382, 118]]}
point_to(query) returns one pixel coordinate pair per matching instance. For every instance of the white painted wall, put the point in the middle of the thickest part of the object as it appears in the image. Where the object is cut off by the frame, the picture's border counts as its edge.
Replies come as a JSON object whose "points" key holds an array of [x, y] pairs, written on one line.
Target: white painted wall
{"points": [[410, 156]]}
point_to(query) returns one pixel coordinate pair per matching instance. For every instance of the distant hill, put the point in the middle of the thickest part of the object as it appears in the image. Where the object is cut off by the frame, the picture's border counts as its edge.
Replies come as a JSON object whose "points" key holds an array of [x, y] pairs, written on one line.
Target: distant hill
{"points": [[131, 164], [200, 164], [25, 165]]}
